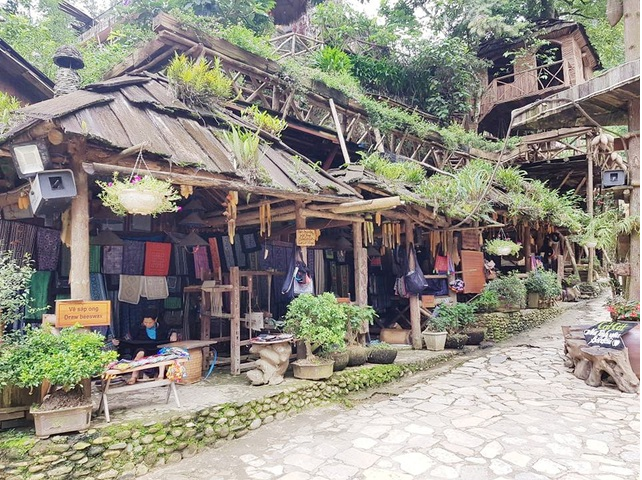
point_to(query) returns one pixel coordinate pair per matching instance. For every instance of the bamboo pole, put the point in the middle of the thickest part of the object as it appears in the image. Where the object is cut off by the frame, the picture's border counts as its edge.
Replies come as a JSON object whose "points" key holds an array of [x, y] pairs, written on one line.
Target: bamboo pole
{"points": [[337, 125], [368, 205]]}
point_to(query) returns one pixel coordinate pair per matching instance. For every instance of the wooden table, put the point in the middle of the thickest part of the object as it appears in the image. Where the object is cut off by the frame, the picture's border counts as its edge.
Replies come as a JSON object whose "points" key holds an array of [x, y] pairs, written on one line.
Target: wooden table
{"points": [[197, 355], [160, 381]]}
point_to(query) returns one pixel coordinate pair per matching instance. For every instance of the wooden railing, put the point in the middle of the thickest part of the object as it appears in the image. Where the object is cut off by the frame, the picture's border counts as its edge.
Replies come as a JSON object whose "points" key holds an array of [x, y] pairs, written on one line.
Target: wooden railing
{"points": [[293, 44], [536, 80]]}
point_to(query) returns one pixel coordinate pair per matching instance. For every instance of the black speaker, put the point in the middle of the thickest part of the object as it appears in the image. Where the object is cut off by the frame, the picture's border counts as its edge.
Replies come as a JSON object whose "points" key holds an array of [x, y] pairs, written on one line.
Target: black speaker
{"points": [[613, 178], [52, 191]]}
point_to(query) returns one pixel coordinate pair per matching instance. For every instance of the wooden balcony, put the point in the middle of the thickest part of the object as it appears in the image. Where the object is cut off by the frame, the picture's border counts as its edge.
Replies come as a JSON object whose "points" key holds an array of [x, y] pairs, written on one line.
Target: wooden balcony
{"points": [[542, 80]]}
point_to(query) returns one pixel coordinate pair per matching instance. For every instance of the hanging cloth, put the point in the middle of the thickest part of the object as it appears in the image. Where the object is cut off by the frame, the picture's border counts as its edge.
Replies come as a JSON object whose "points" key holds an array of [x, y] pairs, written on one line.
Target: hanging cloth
{"points": [[157, 257], [47, 248]]}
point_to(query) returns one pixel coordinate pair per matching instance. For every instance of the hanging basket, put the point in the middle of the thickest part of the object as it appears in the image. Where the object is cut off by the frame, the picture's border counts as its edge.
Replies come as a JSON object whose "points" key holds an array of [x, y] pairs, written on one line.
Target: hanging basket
{"points": [[140, 201], [503, 250]]}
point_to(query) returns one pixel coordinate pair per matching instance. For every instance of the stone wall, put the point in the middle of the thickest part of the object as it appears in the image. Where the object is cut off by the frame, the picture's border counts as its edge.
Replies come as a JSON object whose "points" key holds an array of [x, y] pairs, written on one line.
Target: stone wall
{"points": [[502, 325], [126, 450]]}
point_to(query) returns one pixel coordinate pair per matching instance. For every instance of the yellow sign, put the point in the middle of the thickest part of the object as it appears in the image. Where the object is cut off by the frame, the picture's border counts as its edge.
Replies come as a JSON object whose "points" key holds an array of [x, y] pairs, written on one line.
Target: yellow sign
{"points": [[306, 238], [88, 314]]}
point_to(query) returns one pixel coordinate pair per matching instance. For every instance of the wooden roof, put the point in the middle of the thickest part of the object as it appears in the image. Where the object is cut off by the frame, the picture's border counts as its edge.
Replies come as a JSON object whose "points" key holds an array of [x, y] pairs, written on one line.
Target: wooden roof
{"points": [[141, 110], [605, 99], [29, 83]]}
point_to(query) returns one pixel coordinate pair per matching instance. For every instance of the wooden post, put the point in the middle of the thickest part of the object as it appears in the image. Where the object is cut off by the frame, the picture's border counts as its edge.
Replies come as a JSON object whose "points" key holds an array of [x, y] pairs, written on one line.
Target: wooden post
{"points": [[360, 266], [299, 222], [634, 202], [235, 321], [526, 239], [79, 272], [413, 301], [337, 125], [571, 254], [589, 207]]}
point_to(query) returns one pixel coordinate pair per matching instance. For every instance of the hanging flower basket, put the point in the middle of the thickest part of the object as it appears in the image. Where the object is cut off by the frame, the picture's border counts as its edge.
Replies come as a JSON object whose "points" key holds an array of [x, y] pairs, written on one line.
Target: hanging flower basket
{"points": [[498, 246], [138, 195]]}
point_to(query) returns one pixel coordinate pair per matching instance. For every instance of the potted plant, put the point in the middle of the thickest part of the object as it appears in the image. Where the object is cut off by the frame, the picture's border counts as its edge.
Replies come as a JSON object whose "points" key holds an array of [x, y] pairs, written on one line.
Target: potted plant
{"points": [[357, 316], [542, 288], [338, 353], [501, 247], [382, 353], [37, 356], [487, 301], [510, 291], [318, 321], [436, 331], [15, 277], [138, 195]]}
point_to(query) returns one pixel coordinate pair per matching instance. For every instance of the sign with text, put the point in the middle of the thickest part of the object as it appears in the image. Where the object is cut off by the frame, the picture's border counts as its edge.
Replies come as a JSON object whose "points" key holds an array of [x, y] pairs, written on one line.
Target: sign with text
{"points": [[306, 238], [86, 313], [607, 334]]}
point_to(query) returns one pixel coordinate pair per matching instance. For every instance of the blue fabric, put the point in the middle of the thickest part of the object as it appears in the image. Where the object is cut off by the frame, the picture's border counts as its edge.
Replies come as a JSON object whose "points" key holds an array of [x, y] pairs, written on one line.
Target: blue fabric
{"points": [[151, 332]]}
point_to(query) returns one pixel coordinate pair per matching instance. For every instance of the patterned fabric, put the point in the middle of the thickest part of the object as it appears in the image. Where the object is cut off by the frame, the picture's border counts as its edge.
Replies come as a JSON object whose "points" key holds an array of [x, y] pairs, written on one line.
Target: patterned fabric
{"points": [[228, 253], [239, 254], [175, 284], [39, 294], [157, 257], [201, 263], [94, 258], [22, 240], [179, 254], [154, 288], [319, 271], [47, 249], [133, 257], [115, 313], [113, 259], [173, 303], [5, 234], [65, 261], [130, 288], [97, 288]]}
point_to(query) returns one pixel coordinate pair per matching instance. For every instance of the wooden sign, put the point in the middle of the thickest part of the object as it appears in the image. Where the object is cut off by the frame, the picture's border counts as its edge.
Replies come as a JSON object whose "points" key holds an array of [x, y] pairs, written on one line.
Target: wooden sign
{"points": [[86, 313], [470, 240], [306, 238], [607, 334]]}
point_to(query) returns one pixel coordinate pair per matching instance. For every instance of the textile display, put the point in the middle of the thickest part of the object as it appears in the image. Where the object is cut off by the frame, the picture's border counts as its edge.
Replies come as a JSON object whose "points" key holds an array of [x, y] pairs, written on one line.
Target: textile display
{"points": [[47, 249], [157, 257], [5, 234], [201, 263], [250, 242], [228, 253], [175, 284], [97, 287], [133, 257], [154, 288], [94, 258], [173, 303], [472, 266], [215, 257], [112, 296], [179, 256], [65, 261], [344, 280], [319, 271], [39, 293], [113, 259], [22, 240], [130, 288], [239, 254]]}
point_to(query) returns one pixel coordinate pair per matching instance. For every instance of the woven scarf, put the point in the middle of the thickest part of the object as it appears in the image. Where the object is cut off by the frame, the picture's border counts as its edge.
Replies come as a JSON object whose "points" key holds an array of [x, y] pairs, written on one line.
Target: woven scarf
{"points": [[154, 288], [179, 253], [94, 258], [157, 257], [201, 263], [47, 249], [113, 259], [22, 240], [133, 257], [130, 288], [97, 288]]}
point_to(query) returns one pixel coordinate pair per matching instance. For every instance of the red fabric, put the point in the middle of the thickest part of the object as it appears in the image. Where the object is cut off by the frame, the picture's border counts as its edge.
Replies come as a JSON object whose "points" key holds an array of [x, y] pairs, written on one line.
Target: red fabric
{"points": [[215, 257], [157, 256]]}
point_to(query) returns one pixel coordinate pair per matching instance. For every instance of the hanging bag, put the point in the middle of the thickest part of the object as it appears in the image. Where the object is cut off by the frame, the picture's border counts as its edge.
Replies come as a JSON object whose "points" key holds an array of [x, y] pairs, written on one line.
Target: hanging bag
{"points": [[298, 280], [414, 279]]}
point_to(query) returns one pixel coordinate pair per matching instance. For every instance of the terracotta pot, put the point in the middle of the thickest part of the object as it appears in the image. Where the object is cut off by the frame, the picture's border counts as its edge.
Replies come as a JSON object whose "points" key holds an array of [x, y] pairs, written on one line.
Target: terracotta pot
{"points": [[632, 342]]}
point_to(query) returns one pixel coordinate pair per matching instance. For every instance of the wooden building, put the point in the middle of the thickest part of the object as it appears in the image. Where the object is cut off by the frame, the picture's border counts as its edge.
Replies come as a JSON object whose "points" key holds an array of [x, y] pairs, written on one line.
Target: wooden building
{"points": [[566, 58], [20, 79]]}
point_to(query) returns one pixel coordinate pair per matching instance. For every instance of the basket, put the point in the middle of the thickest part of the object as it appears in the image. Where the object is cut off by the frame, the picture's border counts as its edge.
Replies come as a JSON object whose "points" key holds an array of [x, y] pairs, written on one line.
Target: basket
{"points": [[193, 367]]}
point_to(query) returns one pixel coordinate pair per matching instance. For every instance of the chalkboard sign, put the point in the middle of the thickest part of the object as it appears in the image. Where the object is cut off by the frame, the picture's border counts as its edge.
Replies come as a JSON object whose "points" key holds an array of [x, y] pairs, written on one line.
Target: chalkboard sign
{"points": [[607, 334]]}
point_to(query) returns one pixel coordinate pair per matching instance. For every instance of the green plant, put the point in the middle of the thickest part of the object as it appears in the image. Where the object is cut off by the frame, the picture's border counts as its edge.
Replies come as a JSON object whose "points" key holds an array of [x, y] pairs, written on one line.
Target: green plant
{"points": [[264, 121], [8, 104], [380, 346], [356, 317], [319, 321], [544, 283], [112, 193], [621, 309], [499, 246], [486, 301], [198, 82], [510, 290], [29, 357], [456, 315], [15, 277], [331, 59], [246, 154]]}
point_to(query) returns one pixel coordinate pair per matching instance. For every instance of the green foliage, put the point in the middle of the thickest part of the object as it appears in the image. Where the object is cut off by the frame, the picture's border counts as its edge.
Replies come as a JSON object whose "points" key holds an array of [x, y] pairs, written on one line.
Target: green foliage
{"points": [[456, 316], [198, 82], [111, 193], [380, 346], [301, 175], [440, 324], [486, 301], [357, 316], [264, 120], [28, 358], [544, 283], [320, 321], [8, 104], [247, 39], [510, 290], [331, 59], [498, 246], [15, 277], [406, 172], [246, 153]]}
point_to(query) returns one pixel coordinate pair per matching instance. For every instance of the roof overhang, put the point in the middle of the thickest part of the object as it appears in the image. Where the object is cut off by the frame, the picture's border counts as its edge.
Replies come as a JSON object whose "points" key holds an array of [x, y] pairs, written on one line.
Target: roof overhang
{"points": [[603, 100]]}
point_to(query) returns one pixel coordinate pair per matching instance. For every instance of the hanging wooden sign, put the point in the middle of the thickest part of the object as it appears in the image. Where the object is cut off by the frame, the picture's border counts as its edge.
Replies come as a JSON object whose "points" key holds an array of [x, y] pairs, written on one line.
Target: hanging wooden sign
{"points": [[86, 313], [306, 237], [470, 240]]}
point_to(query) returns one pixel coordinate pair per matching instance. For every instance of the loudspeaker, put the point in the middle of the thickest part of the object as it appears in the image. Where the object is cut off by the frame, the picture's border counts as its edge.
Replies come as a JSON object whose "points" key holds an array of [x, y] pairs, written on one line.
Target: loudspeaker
{"points": [[613, 178], [52, 191]]}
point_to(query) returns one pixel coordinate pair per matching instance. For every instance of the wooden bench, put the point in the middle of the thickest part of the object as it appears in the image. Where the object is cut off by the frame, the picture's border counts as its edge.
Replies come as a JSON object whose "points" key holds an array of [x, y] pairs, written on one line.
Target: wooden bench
{"points": [[591, 363], [109, 375]]}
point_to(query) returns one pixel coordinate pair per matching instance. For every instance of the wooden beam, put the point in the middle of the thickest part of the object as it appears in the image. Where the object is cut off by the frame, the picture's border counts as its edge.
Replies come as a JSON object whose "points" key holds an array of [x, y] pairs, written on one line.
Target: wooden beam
{"points": [[337, 125], [368, 205]]}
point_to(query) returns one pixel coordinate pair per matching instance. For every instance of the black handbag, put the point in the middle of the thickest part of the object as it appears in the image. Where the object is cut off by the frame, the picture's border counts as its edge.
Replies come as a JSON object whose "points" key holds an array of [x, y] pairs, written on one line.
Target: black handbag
{"points": [[414, 279]]}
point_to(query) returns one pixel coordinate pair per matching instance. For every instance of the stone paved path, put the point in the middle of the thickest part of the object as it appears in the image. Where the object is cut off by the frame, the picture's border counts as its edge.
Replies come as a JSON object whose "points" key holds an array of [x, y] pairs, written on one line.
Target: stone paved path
{"points": [[512, 412]]}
